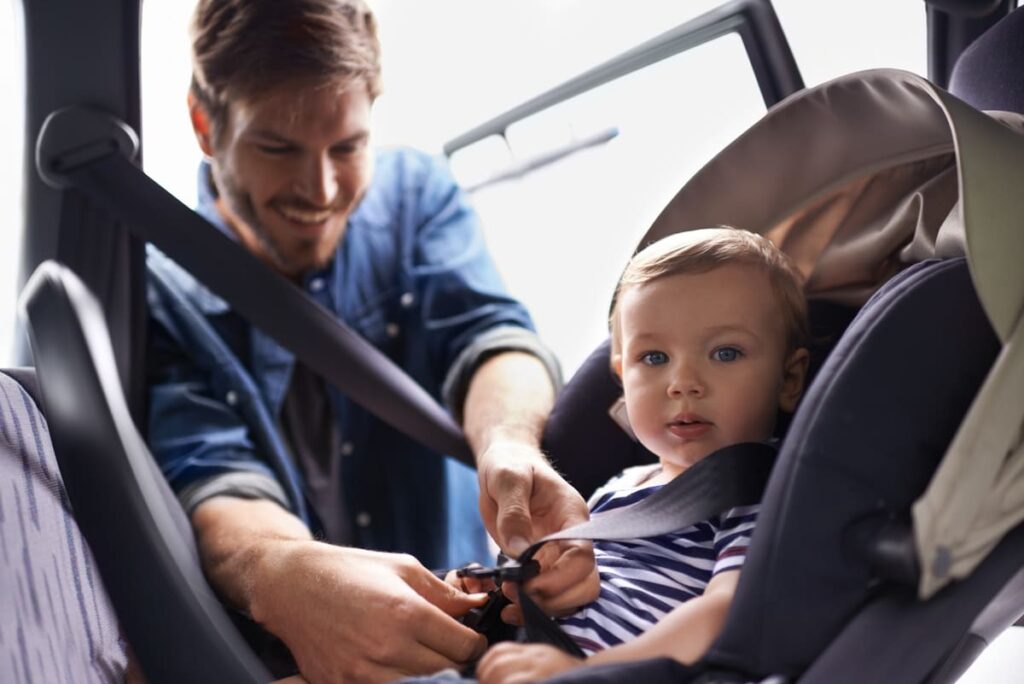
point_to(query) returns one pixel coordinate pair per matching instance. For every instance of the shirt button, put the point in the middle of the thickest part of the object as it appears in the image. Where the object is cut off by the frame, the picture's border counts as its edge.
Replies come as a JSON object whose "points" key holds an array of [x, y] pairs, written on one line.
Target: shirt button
{"points": [[316, 284], [231, 397], [363, 519], [347, 448], [407, 299], [392, 329]]}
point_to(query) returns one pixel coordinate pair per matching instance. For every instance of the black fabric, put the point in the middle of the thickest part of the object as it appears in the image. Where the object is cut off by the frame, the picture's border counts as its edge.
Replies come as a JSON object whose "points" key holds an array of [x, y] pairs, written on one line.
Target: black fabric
{"points": [[582, 441], [898, 638], [866, 440], [730, 477], [988, 74], [316, 441]]}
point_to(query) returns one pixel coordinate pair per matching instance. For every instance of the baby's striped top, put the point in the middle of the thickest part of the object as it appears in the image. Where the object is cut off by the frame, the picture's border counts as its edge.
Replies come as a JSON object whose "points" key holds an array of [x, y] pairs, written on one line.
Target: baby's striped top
{"points": [[643, 579]]}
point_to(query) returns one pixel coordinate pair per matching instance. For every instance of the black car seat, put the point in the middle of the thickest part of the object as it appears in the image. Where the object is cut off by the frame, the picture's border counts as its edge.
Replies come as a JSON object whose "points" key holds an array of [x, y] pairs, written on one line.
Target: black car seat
{"points": [[142, 542], [829, 589]]}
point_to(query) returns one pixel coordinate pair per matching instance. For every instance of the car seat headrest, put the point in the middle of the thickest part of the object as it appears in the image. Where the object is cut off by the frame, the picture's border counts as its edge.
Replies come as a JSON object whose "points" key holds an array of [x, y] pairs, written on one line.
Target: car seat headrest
{"points": [[987, 75]]}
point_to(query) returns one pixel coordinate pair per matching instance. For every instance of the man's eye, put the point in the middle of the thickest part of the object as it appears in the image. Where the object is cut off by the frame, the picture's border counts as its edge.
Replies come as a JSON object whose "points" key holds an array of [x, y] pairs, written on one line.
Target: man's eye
{"points": [[345, 150], [654, 358], [726, 354], [274, 150]]}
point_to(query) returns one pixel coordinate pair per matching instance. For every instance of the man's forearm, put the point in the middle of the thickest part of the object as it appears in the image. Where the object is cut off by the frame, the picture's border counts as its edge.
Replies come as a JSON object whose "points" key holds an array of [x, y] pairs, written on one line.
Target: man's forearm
{"points": [[236, 535], [509, 399]]}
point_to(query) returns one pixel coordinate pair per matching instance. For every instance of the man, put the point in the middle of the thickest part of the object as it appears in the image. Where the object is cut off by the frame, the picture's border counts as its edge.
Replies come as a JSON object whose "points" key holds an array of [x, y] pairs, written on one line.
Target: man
{"points": [[263, 455]]}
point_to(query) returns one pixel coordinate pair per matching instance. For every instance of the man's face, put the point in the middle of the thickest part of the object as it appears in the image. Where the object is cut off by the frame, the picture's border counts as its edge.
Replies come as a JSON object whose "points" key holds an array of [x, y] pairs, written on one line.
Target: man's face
{"points": [[703, 362], [290, 167]]}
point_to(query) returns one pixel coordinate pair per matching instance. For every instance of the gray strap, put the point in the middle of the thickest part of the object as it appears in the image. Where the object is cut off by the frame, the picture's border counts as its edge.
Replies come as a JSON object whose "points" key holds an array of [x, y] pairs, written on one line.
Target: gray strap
{"points": [[728, 478], [270, 302]]}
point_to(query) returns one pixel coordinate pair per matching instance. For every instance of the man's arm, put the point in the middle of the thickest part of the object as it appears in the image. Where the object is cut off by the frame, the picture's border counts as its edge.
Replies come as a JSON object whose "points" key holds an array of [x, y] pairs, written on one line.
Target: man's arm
{"points": [[522, 498], [346, 614]]}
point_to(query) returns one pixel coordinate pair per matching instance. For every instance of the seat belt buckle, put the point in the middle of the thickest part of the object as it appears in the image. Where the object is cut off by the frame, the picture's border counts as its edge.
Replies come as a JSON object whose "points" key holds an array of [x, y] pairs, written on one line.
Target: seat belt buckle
{"points": [[506, 570]]}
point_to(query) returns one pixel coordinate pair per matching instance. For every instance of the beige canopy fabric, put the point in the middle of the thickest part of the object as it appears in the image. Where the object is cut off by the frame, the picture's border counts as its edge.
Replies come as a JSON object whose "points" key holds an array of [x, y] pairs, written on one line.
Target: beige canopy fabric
{"points": [[856, 179]]}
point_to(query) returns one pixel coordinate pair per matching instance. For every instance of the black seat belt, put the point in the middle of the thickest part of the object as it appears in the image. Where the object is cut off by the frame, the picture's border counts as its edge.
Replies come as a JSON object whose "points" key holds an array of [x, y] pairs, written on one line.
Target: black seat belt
{"points": [[100, 168], [730, 477]]}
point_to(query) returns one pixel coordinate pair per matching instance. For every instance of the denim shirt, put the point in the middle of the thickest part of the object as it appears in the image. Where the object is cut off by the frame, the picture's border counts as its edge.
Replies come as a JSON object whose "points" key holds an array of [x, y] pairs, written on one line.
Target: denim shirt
{"points": [[413, 277]]}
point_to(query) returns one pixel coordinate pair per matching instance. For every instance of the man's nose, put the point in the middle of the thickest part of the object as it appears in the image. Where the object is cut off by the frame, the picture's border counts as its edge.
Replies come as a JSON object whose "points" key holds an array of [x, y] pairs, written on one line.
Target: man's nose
{"points": [[319, 184]]}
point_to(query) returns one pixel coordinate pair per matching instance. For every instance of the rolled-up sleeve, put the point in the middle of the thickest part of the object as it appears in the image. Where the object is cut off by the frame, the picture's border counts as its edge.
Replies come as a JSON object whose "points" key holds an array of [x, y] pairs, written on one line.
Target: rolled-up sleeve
{"points": [[486, 345], [468, 316], [201, 443]]}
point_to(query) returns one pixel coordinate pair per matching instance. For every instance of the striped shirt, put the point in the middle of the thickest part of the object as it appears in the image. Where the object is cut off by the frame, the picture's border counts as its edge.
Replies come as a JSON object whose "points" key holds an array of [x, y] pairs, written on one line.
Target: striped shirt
{"points": [[644, 579]]}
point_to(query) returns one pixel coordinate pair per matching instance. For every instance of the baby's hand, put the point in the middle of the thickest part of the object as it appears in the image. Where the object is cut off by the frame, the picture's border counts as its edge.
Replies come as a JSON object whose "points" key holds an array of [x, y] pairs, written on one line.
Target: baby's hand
{"points": [[568, 580], [470, 585], [510, 663]]}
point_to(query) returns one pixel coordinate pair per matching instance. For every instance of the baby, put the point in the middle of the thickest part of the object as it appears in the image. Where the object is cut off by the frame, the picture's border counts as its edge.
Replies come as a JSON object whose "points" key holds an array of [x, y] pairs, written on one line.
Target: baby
{"points": [[708, 328]]}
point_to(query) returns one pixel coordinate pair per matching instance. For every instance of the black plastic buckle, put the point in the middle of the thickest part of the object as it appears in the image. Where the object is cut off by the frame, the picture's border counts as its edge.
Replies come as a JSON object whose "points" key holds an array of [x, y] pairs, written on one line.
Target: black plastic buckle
{"points": [[507, 570]]}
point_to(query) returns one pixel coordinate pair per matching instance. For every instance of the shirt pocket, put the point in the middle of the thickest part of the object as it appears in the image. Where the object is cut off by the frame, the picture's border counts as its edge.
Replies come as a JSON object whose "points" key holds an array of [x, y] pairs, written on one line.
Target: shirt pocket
{"points": [[381, 326]]}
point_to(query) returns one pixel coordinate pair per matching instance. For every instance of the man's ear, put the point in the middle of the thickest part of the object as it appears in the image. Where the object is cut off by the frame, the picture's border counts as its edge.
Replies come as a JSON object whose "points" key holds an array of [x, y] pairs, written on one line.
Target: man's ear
{"points": [[200, 124], [794, 374]]}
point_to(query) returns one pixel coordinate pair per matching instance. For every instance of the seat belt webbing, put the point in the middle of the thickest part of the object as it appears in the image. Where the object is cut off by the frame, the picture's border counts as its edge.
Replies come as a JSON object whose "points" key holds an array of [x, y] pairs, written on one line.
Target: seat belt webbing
{"points": [[733, 476], [270, 302]]}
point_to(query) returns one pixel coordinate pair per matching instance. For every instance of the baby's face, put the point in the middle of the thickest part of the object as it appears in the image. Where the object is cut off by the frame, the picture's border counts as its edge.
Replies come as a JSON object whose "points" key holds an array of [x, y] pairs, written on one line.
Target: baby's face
{"points": [[703, 362]]}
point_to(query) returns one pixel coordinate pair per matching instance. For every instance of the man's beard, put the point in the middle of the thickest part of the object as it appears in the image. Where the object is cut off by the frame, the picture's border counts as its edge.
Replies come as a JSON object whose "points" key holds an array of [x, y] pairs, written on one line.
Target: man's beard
{"points": [[241, 205]]}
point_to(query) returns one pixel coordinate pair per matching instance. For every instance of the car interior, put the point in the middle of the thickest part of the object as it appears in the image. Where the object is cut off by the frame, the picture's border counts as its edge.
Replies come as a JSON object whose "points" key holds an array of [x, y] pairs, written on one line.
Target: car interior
{"points": [[890, 545]]}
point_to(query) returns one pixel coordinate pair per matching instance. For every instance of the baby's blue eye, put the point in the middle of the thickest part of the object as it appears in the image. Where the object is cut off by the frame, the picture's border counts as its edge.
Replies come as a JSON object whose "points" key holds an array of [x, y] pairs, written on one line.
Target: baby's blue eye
{"points": [[726, 354], [654, 358]]}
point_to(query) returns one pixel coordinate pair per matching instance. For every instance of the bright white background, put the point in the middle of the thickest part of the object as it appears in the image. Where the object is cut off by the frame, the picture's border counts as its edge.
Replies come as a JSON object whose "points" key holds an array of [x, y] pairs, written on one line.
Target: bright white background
{"points": [[561, 235]]}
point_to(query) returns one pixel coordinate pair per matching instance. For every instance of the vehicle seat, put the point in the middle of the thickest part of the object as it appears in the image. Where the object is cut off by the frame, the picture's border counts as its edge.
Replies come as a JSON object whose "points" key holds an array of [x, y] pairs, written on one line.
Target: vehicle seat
{"points": [[56, 621], [143, 544]]}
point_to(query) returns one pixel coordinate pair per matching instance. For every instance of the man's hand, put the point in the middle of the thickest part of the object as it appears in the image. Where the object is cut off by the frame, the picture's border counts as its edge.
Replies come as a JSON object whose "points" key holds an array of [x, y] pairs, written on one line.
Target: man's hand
{"points": [[346, 614], [509, 663], [522, 499]]}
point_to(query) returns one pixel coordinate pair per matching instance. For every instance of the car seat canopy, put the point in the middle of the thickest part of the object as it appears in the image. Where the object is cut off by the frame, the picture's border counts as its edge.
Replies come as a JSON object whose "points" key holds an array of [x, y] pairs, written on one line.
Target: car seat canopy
{"points": [[861, 176]]}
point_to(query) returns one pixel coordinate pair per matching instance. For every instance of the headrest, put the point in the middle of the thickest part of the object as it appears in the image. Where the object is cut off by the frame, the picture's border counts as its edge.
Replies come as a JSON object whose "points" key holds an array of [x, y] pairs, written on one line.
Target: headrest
{"points": [[988, 75]]}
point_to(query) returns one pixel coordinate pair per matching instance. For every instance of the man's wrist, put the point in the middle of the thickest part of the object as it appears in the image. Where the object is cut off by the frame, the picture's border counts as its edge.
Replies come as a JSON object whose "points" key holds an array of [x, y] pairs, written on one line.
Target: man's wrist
{"points": [[272, 562], [524, 436]]}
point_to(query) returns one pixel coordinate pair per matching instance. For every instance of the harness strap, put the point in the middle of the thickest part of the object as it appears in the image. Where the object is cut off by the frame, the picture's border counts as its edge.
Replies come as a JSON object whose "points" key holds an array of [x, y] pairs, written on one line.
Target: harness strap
{"points": [[730, 477]]}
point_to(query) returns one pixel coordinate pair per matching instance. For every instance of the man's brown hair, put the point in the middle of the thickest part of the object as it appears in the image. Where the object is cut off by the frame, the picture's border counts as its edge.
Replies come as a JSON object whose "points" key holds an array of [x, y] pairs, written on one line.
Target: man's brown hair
{"points": [[242, 48]]}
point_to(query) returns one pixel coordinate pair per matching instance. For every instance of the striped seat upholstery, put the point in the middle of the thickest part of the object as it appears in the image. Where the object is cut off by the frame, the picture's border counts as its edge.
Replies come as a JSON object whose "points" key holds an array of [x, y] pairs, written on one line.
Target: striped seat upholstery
{"points": [[56, 621]]}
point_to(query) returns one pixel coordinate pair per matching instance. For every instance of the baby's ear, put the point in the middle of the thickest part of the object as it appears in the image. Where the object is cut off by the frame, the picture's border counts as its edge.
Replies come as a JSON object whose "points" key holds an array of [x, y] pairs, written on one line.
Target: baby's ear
{"points": [[615, 363], [794, 373]]}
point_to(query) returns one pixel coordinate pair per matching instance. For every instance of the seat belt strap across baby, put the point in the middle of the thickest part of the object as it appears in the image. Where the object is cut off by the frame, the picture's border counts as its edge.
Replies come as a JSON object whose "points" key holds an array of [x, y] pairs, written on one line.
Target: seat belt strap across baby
{"points": [[730, 477]]}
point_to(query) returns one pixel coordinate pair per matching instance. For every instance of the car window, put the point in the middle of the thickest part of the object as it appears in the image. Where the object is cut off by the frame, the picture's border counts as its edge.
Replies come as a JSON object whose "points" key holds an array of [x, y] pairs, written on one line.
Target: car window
{"points": [[11, 145]]}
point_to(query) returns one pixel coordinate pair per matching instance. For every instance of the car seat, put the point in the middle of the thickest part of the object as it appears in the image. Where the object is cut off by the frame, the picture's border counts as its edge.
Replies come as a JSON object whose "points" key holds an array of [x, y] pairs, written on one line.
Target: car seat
{"points": [[829, 590]]}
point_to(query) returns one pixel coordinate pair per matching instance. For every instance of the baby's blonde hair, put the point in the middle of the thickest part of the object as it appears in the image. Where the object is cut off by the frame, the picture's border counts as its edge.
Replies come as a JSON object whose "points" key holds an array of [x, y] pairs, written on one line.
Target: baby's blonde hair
{"points": [[700, 251]]}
